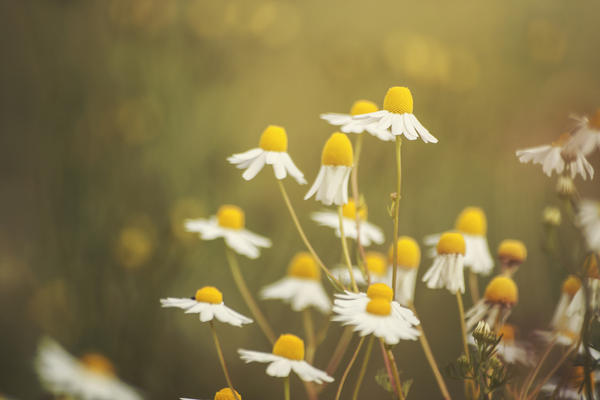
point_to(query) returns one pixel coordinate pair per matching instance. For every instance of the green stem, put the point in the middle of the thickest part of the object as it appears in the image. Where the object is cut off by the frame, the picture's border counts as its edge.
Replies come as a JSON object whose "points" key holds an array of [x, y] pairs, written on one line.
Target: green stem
{"points": [[551, 373], [334, 281], [347, 371], [222, 360], [363, 368], [473, 286], [396, 375], [531, 378], [286, 388], [345, 249], [469, 386], [310, 335], [243, 288], [397, 210]]}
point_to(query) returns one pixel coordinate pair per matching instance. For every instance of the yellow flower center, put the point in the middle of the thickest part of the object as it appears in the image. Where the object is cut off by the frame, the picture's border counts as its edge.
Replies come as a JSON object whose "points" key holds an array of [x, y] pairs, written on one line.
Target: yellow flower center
{"points": [[571, 285], [575, 377], [472, 221], [511, 250], [209, 294], [349, 210], [289, 346], [98, 363], [451, 243], [227, 394], [376, 263], [562, 139], [363, 107], [502, 290], [591, 266], [508, 332], [409, 253], [380, 291], [594, 120], [303, 265], [273, 138], [398, 100], [379, 306], [230, 217], [337, 151]]}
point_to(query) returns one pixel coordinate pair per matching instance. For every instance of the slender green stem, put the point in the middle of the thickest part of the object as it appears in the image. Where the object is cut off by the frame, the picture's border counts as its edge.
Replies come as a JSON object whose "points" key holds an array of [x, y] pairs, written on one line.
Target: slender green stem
{"points": [[243, 288], [347, 371], [388, 368], [339, 351], [397, 210], [222, 360], [473, 286], [429, 355], [334, 281], [551, 373], [356, 195], [345, 249], [309, 333], [396, 375], [363, 367], [531, 378], [469, 385], [286, 388]]}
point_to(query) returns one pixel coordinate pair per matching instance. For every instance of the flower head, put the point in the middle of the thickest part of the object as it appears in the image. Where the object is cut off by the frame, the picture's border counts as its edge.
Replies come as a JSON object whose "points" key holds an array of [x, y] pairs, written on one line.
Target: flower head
{"points": [[375, 264], [587, 135], [408, 260], [560, 318], [208, 303], [447, 268], [588, 219], [500, 295], [223, 394], [348, 125], [512, 253]]}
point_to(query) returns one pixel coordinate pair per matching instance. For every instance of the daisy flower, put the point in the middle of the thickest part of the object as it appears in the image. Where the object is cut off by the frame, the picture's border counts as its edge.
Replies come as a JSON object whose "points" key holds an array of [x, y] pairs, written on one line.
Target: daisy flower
{"points": [[565, 186], [511, 253], [331, 184], [513, 351], [588, 218], [208, 303], [271, 150], [301, 287], [447, 268], [587, 136], [229, 224], [500, 296], [472, 224], [369, 233], [287, 356], [578, 304], [570, 384], [223, 394], [376, 313], [92, 377], [566, 334], [376, 266], [348, 124], [408, 260], [556, 157], [570, 286], [396, 118]]}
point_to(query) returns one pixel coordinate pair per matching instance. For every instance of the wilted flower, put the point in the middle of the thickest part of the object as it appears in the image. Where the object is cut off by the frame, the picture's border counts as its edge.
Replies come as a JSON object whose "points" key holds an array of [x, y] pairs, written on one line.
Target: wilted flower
{"points": [[375, 265], [588, 218], [500, 295], [587, 135], [511, 253], [347, 123], [570, 286], [408, 260], [569, 385], [447, 268]]}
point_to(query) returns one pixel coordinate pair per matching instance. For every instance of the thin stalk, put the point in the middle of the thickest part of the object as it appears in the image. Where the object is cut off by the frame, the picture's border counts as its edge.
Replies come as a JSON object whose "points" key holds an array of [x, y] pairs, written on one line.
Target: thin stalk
{"points": [[309, 333], [397, 210], [356, 194], [345, 249], [396, 375], [286, 388], [551, 373], [429, 356], [469, 386], [363, 367], [334, 281], [222, 360], [473, 286], [243, 288], [339, 351], [531, 377], [388, 368], [347, 370]]}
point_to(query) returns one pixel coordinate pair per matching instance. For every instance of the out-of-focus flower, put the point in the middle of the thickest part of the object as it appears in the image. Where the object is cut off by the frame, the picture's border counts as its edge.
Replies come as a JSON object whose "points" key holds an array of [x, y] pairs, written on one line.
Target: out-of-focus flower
{"points": [[472, 224], [592, 280], [331, 184], [570, 286], [223, 394], [587, 136], [208, 304], [347, 123], [565, 186], [514, 351], [302, 286], [511, 253], [396, 118], [134, 247], [588, 218], [376, 313], [287, 356], [557, 157], [447, 268], [229, 224], [408, 260], [500, 296], [376, 266], [551, 216], [569, 384], [271, 150], [92, 377], [369, 233]]}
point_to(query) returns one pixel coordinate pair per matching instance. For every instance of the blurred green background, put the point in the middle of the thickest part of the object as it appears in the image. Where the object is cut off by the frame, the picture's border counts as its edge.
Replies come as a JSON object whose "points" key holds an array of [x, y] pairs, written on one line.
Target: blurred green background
{"points": [[117, 116]]}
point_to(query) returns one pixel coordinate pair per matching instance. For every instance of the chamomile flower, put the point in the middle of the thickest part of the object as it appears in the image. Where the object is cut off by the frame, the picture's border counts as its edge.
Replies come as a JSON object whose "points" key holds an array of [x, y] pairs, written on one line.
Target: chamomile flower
{"points": [[287, 356], [271, 150], [229, 224], [565, 187], [566, 334], [511, 253], [369, 233], [208, 303], [500, 296], [92, 377], [472, 224], [569, 385], [587, 136], [376, 313], [331, 184], [376, 267], [578, 304], [346, 121], [223, 394], [514, 351], [408, 260], [556, 157], [588, 218], [301, 287], [447, 268], [396, 118], [570, 286]]}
